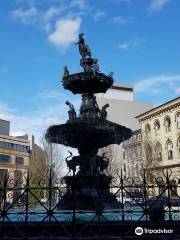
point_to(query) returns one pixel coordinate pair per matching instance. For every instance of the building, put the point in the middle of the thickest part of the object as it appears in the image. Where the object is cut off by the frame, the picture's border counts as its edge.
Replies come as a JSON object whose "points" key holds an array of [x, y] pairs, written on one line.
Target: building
{"points": [[17, 156], [14, 153], [160, 129], [133, 155], [122, 110], [4, 127]]}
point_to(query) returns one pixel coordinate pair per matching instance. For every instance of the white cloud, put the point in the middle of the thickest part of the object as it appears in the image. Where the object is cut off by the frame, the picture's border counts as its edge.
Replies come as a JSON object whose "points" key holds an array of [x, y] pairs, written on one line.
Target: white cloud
{"points": [[122, 20], [51, 94], [44, 114], [157, 84], [81, 4], [36, 122], [158, 5], [5, 111], [51, 13], [66, 32], [99, 14], [26, 16], [131, 44], [177, 91], [124, 45]]}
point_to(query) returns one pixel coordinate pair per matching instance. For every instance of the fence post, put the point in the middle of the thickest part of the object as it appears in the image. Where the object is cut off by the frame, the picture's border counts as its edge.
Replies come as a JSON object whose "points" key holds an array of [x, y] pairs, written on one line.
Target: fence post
{"points": [[122, 197], [50, 194], [74, 205], [145, 194], [169, 195], [4, 196], [27, 198]]}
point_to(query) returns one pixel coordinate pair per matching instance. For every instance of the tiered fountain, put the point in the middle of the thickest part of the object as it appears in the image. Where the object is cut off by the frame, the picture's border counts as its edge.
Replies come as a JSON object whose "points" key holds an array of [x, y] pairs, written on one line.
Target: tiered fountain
{"points": [[90, 130]]}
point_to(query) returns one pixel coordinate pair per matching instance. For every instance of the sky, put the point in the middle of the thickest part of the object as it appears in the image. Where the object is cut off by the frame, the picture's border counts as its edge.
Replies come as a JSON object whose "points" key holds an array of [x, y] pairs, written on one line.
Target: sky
{"points": [[137, 40]]}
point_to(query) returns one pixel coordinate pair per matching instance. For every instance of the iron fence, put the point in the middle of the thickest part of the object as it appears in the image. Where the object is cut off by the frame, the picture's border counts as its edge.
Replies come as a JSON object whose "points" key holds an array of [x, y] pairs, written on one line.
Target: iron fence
{"points": [[143, 199]]}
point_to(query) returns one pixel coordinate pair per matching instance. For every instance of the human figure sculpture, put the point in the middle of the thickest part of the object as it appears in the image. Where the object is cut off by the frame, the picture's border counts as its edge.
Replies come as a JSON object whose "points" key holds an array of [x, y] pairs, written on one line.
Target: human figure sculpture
{"points": [[71, 112], [89, 108], [103, 112], [66, 72], [84, 49], [95, 66]]}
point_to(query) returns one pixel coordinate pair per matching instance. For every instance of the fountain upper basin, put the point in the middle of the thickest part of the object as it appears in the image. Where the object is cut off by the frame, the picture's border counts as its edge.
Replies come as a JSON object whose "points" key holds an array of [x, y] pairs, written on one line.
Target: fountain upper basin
{"points": [[88, 134]]}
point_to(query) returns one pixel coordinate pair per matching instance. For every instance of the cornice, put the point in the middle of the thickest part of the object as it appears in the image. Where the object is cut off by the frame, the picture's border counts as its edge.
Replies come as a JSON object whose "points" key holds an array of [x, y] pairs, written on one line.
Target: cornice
{"points": [[158, 111]]}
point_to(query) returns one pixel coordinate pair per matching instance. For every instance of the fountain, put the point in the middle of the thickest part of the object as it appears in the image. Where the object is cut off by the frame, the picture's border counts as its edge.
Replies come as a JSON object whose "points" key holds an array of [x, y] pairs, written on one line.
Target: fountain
{"points": [[89, 186]]}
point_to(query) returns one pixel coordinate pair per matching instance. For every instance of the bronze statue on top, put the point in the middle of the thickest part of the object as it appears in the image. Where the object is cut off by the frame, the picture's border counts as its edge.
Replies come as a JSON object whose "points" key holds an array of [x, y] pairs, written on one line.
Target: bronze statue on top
{"points": [[84, 49]]}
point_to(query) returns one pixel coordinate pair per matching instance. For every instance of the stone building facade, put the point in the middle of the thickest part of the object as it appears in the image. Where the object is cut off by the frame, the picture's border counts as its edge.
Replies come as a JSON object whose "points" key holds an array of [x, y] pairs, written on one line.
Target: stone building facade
{"points": [[160, 129], [133, 155]]}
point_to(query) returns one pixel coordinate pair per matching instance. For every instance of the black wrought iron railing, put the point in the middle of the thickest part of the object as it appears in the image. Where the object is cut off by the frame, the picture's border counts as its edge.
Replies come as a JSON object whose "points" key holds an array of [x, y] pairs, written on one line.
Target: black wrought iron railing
{"points": [[143, 198]]}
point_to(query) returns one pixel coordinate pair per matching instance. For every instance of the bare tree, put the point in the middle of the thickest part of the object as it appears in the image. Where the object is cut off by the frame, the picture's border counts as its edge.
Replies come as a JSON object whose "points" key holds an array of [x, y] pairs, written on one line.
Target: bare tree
{"points": [[55, 157]]}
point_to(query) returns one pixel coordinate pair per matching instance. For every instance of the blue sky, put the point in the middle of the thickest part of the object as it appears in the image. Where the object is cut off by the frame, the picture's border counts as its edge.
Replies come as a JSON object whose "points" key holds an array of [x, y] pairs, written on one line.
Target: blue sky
{"points": [[138, 40]]}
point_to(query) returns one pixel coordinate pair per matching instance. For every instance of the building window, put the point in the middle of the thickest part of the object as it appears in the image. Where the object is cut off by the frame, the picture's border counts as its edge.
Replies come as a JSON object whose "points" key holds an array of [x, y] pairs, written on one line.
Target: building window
{"points": [[156, 126], [139, 151], [178, 120], [5, 158], [19, 161], [167, 123], [170, 149], [137, 169], [178, 144], [147, 129], [148, 151], [136, 151], [17, 147], [124, 154], [158, 152], [3, 175]]}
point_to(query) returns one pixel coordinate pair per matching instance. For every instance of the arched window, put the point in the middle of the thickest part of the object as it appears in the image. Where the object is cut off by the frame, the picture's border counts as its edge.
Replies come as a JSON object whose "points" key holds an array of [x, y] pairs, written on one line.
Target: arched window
{"points": [[137, 169], [169, 146], [158, 151], [167, 123], [147, 129], [148, 151], [177, 119], [156, 126], [139, 150], [178, 144], [19, 161]]}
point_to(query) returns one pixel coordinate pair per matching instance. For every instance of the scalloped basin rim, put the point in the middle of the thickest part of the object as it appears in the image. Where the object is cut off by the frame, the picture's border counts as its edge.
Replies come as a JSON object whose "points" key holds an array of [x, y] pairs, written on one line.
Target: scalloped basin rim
{"points": [[82, 82], [82, 133]]}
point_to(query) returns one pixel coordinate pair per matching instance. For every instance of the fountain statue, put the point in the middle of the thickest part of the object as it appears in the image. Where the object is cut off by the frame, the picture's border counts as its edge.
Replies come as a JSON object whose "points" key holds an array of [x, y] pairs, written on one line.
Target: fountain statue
{"points": [[90, 130]]}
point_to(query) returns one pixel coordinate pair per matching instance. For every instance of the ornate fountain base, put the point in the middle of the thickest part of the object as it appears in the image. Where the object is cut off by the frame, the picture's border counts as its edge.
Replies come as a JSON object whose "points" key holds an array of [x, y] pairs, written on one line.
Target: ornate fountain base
{"points": [[88, 193]]}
